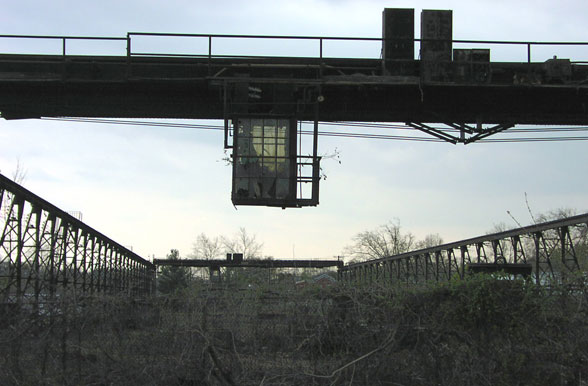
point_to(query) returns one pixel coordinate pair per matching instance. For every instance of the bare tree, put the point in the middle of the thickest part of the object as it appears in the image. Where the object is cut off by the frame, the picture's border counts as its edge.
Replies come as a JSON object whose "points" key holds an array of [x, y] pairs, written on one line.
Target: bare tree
{"points": [[243, 243], [430, 240], [18, 176], [20, 173], [556, 214], [386, 240], [206, 248]]}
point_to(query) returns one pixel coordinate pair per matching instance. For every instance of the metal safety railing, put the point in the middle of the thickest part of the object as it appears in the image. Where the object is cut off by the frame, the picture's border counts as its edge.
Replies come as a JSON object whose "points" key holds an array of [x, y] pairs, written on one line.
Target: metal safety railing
{"points": [[46, 253], [321, 42]]}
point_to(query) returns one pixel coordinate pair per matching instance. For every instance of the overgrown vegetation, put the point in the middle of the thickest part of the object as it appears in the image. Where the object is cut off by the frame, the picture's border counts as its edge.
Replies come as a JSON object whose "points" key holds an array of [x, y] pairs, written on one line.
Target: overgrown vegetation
{"points": [[173, 278], [478, 331]]}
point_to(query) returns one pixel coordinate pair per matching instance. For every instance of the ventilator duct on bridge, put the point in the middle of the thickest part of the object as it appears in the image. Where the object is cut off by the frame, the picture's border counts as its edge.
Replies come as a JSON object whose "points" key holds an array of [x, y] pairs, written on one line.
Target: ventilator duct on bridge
{"points": [[439, 61], [436, 45], [398, 40]]}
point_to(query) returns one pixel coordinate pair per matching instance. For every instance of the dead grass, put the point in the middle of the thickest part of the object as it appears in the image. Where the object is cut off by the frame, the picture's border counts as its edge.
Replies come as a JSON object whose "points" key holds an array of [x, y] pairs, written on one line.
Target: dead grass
{"points": [[480, 331]]}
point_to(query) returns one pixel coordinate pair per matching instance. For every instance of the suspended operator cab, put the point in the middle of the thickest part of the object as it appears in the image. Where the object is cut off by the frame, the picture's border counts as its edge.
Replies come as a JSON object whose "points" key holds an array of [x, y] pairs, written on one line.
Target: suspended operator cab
{"points": [[267, 169]]}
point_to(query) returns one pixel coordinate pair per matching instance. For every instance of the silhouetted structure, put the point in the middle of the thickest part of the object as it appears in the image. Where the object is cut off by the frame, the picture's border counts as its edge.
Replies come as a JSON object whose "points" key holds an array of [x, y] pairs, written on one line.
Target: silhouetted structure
{"points": [[263, 98], [554, 251], [46, 252]]}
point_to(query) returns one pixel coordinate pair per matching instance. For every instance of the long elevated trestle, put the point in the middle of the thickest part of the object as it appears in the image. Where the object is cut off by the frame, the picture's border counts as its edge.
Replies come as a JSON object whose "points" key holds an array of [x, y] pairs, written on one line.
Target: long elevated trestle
{"points": [[46, 252], [554, 251]]}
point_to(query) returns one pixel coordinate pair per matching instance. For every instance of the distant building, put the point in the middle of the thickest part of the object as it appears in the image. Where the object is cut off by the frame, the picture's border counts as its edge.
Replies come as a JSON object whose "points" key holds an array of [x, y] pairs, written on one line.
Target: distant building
{"points": [[322, 280]]}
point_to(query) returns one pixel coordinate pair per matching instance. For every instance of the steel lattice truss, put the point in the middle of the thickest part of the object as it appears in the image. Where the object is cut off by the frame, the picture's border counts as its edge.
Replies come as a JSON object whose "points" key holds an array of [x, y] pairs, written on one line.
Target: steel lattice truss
{"points": [[46, 252], [554, 251]]}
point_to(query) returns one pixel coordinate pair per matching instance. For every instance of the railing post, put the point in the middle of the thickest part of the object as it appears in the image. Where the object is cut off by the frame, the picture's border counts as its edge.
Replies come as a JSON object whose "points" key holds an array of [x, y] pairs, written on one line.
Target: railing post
{"points": [[19, 246], [209, 54], [63, 54], [128, 72]]}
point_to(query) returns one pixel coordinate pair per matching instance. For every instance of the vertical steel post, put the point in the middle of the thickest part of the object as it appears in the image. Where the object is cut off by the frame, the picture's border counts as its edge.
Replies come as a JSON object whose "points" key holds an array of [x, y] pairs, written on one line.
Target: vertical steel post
{"points": [[84, 262], [74, 263], [108, 271], [100, 266], [209, 54], [19, 246], [37, 254], [437, 254], [53, 244], [537, 256], [123, 273], [427, 257], [64, 60], [92, 264], [62, 264], [463, 250], [315, 160], [129, 54]]}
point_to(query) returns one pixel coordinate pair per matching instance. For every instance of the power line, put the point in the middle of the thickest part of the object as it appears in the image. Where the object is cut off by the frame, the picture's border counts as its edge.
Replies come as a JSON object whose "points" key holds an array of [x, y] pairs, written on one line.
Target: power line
{"points": [[188, 126], [546, 139], [449, 129], [347, 134]]}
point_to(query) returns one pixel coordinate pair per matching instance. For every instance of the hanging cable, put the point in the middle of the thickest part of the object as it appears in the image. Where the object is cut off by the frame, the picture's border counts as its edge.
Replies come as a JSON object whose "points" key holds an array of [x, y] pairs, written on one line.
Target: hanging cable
{"points": [[359, 135]]}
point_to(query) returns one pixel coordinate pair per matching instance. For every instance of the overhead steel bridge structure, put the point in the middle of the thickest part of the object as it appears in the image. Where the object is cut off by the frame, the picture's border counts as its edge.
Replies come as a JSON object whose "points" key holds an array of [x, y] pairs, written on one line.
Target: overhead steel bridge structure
{"points": [[46, 253], [550, 252], [451, 91], [207, 85]]}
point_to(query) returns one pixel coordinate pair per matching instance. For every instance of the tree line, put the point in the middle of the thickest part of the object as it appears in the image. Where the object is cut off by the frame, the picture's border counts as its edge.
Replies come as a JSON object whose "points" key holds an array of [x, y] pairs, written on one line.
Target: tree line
{"points": [[383, 241]]}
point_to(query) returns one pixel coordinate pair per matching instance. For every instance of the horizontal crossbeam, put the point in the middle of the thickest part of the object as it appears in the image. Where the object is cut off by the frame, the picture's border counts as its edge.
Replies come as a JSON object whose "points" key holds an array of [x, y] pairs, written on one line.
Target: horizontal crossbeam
{"points": [[216, 263]]}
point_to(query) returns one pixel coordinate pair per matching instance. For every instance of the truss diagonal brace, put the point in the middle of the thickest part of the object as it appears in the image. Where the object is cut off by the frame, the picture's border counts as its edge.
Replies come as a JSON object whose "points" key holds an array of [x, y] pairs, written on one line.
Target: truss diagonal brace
{"points": [[463, 127], [439, 133], [434, 132], [488, 132]]}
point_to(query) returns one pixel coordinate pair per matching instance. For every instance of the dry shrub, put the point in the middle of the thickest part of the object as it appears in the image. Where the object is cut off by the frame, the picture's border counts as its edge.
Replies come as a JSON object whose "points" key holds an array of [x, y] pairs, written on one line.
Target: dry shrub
{"points": [[479, 331]]}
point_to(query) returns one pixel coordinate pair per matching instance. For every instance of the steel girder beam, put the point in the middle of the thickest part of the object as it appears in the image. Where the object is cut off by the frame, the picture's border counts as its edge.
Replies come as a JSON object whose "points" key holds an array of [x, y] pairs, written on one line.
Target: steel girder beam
{"points": [[556, 251], [46, 253], [249, 263], [468, 134]]}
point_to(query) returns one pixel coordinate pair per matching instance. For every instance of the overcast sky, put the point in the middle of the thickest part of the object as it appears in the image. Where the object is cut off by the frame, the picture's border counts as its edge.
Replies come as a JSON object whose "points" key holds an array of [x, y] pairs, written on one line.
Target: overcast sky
{"points": [[156, 188]]}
